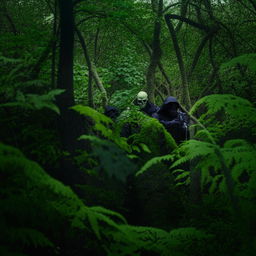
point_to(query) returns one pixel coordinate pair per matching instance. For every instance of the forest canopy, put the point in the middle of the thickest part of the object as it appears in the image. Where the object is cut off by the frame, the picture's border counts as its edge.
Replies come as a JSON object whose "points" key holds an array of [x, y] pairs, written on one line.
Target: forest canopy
{"points": [[75, 180]]}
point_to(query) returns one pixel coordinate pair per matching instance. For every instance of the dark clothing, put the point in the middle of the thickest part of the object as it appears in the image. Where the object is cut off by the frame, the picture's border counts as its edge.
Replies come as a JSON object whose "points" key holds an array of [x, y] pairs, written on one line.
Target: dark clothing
{"points": [[149, 109], [111, 112], [175, 121]]}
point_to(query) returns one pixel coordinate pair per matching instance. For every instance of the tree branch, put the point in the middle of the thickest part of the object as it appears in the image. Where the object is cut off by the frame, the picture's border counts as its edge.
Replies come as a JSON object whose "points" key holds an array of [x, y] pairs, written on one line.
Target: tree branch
{"points": [[169, 6], [188, 21]]}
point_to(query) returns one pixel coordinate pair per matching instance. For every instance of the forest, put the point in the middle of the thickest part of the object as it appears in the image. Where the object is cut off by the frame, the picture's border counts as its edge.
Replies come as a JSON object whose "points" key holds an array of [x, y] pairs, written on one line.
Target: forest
{"points": [[73, 181]]}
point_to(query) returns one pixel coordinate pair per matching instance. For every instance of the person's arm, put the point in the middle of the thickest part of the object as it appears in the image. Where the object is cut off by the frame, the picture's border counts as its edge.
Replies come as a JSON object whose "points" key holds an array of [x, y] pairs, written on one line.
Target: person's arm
{"points": [[172, 123]]}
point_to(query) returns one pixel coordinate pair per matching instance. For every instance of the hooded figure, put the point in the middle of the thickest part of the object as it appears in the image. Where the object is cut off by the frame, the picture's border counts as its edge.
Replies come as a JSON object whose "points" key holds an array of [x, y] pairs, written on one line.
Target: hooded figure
{"points": [[175, 121], [111, 112], [145, 105]]}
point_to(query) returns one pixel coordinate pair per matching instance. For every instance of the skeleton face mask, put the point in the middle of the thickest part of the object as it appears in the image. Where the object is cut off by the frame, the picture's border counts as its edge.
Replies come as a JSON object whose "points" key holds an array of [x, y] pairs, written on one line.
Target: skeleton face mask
{"points": [[142, 99]]}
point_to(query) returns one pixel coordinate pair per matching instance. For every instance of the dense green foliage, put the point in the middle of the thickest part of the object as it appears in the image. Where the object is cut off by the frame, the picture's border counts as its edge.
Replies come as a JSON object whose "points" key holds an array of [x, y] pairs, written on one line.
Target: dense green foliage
{"points": [[71, 182]]}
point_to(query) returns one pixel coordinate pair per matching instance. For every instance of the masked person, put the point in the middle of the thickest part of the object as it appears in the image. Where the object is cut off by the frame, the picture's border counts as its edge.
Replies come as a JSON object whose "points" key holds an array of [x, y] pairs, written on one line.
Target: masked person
{"points": [[145, 105], [174, 120]]}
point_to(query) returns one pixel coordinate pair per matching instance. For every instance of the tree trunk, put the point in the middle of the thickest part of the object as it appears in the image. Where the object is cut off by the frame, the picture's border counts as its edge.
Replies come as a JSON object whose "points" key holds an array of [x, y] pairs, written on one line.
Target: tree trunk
{"points": [[156, 51], [54, 46], [183, 11], [70, 123], [185, 100], [198, 52], [89, 65], [99, 85], [65, 72], [92, 74], [160, 66]]}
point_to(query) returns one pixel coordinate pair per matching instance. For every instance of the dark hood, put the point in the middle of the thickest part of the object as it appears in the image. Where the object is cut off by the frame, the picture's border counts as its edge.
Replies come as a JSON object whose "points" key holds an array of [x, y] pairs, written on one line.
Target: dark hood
{"points": [[168, 100], [111, 111], [109, 108]]}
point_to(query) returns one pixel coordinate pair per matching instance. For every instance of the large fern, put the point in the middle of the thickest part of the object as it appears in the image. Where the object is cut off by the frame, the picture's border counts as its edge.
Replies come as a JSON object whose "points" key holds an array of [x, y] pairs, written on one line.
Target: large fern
{"points": [[34, 101], [111, 158], [226, 116], [178, 242], [34, 206], [102, 126]]}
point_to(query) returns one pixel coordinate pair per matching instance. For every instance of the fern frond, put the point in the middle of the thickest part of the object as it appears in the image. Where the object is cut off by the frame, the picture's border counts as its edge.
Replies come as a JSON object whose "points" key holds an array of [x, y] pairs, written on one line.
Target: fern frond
{"points": [[93, 114], [157, 241], [103, 125], [29, 190], [227, 115], [112, 159], [193, 149], [34, 101], [189, 234], [108, 212], [93, 220], [248, 60], [7, 60], [154, 161], [218, 180], [225, 102], [183, 175], [28, 236], [240, 155]]}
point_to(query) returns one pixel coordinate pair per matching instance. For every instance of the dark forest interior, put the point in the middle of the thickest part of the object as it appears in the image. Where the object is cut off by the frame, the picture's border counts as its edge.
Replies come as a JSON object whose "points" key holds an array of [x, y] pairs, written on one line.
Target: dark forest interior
{"points": [[85, 170]]}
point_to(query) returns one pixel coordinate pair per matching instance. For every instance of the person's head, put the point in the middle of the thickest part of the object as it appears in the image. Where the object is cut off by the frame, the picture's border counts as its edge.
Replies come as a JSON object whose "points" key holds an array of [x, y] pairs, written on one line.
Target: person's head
{"points": [[142, 99], [111, 112], [170, 107]]}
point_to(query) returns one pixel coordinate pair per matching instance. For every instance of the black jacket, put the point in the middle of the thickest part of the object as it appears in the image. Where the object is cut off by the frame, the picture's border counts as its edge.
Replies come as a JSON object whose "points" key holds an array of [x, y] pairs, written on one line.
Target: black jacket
{"points": [[176, 122], [149, 109]]}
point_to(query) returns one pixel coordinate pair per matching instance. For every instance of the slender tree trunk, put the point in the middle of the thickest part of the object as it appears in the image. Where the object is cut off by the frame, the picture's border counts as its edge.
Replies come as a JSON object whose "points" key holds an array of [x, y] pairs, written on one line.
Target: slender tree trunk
{"points": [[161, 68], [99, 85], [156, 50], [184, 82], [167, 79], [89, 65], [96, 45], [160, 65], [198, 52], [92, 74], [54, 46]]}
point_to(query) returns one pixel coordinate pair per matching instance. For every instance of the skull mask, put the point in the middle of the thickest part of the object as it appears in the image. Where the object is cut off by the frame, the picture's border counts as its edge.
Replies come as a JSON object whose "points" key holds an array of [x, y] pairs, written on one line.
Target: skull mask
{"points": [[142, 99]]}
